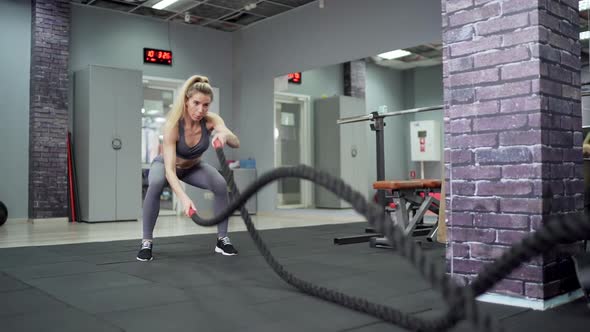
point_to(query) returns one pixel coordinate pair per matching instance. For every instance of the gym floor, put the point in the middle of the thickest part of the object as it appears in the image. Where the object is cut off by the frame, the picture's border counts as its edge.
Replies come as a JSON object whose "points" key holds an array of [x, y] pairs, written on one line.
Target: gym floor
{"points": [[99, 286]]}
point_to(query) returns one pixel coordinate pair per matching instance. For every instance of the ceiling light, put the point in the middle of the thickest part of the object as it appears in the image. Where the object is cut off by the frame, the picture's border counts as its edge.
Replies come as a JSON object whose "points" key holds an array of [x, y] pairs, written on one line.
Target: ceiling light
{"points": [[163, 4], [584, 5], [584, 35], [394, 54]]}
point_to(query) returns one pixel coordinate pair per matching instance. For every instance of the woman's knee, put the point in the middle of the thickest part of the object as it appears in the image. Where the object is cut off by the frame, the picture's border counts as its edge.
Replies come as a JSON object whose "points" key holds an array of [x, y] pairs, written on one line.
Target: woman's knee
{"points": [[157, 176], [156, 184], [218, 185]]}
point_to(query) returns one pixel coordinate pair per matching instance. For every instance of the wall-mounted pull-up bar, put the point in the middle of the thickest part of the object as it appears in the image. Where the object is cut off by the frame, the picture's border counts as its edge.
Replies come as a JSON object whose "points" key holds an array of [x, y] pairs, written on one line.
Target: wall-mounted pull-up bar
{"points": [[372, 116]]}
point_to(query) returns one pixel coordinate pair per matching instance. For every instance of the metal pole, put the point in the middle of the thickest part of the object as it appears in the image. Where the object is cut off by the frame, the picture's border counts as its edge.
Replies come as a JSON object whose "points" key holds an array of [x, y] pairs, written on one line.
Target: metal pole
{"points": [[377, 126]]}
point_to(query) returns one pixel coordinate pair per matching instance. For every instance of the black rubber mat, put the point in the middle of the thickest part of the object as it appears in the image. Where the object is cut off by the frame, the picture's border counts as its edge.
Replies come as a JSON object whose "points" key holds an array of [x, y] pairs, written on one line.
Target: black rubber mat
{"points": [[28, 301], [60, 320], [8, 283], [52, 270], [128, 297], [187, 287]]}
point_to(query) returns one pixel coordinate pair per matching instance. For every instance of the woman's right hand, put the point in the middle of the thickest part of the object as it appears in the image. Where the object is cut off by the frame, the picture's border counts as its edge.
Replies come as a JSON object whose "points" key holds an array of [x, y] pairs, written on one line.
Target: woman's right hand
{"points": [[187, 205]]}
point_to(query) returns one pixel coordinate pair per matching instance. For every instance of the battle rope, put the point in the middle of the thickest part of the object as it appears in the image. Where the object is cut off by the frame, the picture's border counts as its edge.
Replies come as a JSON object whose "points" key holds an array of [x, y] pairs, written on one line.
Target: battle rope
{"points": [[461, 300]]}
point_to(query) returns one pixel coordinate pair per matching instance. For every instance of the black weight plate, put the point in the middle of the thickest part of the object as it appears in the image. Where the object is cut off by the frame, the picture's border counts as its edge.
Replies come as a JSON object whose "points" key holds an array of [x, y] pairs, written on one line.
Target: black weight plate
{"points": [[3, 213]]}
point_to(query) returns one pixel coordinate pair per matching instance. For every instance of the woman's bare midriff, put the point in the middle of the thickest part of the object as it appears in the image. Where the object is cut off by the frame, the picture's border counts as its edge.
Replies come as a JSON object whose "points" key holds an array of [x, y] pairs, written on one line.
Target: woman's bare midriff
{"points": [[186, 163]]}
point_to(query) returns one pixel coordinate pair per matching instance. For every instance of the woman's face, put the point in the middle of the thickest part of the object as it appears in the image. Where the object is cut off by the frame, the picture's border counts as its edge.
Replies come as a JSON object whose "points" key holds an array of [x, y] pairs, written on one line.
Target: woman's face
{"points": [[197, 106]]}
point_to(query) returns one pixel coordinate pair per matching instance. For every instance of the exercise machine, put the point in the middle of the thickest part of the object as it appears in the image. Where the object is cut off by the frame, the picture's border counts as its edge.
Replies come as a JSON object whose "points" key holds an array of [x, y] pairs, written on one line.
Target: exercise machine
{"points": [[410, 200], [377, 126]]}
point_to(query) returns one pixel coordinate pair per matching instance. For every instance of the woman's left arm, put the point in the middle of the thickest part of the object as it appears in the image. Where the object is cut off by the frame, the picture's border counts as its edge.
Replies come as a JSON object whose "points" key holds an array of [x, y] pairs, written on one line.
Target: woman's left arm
{"points": [[222, 132]]}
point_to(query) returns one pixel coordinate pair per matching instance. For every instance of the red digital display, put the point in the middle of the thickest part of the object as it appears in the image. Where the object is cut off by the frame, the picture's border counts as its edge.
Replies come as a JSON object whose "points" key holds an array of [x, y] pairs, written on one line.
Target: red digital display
{"points": [[294, 78], [161, 57]]}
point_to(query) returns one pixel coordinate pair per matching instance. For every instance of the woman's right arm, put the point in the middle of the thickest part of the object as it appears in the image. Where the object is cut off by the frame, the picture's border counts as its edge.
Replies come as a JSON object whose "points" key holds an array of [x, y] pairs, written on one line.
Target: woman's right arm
{"points": [[170, 138]]}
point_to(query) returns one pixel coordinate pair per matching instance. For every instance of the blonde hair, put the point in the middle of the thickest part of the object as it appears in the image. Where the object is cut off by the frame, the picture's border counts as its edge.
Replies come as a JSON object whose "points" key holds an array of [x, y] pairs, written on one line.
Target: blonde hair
{"points": [[194, 84]]}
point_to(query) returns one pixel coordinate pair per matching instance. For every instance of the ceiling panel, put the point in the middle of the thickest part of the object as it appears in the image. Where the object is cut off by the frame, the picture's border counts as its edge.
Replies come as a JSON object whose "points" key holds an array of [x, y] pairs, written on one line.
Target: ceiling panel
{"points": [[208, 11], [232, 4], [178, 6], [243, 18], [224, 26], [268, 9], [293, 3], [147, 11], [121, 6], [192, 19], [225, 15]]}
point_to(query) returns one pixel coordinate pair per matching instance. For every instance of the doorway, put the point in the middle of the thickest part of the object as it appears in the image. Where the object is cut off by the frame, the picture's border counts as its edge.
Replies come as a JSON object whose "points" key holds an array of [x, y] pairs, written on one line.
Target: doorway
{"points": [[158, 97], [292, 144]]}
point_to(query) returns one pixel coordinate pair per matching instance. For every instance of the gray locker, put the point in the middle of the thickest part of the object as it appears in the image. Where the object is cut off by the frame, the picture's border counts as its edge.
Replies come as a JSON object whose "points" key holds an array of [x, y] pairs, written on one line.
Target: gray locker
{"points": [[107, 142], [340, 150]]}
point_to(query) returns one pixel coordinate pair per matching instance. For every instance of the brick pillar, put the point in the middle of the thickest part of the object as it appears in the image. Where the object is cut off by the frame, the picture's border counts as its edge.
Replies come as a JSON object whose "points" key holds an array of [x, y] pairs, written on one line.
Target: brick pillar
{"points": [[48, 122], [513, 136], [355, 73]]}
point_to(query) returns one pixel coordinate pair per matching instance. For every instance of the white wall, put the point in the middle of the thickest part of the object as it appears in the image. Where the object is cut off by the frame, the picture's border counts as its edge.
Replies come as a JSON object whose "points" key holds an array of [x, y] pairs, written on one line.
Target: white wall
{"points": [[385, 87], [104, 37], [310, 37], [15, 36], [320, 82], [427, 90]]}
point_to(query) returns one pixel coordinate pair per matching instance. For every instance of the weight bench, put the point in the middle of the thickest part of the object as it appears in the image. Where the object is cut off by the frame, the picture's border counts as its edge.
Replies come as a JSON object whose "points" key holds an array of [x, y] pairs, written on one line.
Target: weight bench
{"points": [[408, 202]]}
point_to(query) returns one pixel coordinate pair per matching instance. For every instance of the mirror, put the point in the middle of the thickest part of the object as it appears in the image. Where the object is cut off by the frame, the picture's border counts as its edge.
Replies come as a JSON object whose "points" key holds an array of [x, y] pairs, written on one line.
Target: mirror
{"points": [[309, 103]]}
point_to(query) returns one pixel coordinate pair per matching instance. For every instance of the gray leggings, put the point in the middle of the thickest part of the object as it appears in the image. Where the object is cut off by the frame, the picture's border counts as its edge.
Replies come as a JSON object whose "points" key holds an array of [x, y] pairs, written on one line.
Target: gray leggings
{"points": [[201, 175]]}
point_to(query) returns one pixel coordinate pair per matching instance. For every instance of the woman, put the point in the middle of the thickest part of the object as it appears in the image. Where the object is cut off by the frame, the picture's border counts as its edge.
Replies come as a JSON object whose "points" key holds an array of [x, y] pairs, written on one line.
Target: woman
{"points": [[187, 134]]}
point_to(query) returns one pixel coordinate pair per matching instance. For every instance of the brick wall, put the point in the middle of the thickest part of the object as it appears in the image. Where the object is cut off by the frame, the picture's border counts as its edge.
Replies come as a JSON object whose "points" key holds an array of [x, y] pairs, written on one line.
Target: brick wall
{"points": [[355, 73], [513, 137], [48, 122]]}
